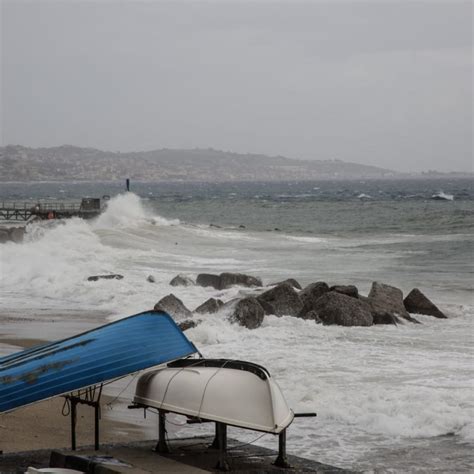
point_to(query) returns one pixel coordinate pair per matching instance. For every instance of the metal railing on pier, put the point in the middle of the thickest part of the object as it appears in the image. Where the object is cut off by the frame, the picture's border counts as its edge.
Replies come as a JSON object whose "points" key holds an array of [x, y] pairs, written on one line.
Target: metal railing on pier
{"points": [[24, 211]]}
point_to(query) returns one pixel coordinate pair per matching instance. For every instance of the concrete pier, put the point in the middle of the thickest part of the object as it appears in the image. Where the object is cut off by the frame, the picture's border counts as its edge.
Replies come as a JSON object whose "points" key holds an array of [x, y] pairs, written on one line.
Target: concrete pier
{"points": [[188, 455]]}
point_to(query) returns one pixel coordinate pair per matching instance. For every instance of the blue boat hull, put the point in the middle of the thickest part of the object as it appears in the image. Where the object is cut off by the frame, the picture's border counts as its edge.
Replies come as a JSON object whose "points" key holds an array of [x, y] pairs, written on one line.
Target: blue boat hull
{"points": [[109, 352]]}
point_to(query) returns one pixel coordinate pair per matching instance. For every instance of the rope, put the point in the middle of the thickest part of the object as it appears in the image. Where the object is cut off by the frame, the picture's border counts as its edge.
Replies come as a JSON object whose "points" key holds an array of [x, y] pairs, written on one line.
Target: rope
{"points": [[172, 377], [247, 444], [207, 383], [109, 404], [66, 410]]}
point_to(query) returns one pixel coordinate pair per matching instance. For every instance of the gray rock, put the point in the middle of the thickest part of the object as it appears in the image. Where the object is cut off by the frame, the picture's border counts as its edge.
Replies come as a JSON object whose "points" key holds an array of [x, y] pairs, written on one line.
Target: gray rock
{"points": [[310, 294], [150, 278], [267, 307], [248, 313], [387, 300], [291, 281], [207, 279], [12, 234], [312, 315], [283, 299], [188, 324], [385, 318], [17, 234], [212, 305], [349, 290], [174, 307], [230, 279], [226, 280], [381, 317], [229, 306], [4, 235], [182, 280], [113, 276], [336, 308], [417, 302]]}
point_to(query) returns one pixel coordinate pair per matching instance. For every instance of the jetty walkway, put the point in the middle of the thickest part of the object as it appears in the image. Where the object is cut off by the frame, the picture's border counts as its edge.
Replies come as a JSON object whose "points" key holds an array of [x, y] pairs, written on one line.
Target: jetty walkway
{"points": [[26, 211]]}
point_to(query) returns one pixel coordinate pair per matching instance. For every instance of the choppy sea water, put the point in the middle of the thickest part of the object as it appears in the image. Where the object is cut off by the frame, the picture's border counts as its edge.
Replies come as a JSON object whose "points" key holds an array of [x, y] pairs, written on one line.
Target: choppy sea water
{"points": [[394, 398]]}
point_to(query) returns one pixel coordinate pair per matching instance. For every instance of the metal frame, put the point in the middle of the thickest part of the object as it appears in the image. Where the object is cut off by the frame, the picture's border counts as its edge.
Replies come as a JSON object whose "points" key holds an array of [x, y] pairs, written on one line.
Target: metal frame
{"points": [[89, 397]]}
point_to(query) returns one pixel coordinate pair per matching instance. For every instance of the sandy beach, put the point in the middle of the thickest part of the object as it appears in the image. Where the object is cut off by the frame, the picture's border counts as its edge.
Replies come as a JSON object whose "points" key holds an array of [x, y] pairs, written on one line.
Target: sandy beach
{"points": [[42, 425]]}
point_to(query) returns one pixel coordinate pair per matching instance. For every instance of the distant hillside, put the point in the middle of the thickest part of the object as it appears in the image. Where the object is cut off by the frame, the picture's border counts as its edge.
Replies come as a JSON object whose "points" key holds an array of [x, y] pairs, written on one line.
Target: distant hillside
{"points": [[18, 163]]}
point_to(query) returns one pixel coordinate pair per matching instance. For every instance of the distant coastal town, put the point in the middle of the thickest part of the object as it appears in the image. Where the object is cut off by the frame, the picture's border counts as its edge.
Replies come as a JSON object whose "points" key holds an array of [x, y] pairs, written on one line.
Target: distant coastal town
{"points": [[63, 163]]}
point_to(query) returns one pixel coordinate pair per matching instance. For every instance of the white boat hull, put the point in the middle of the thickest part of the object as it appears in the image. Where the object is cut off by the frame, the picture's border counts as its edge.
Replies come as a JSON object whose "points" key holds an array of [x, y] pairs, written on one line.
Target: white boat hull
{"points": [[226, 392]]}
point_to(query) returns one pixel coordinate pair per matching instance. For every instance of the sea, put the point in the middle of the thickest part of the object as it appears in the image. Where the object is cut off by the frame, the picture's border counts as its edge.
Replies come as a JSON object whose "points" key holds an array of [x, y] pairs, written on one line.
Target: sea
{"points": [[387, 398]]}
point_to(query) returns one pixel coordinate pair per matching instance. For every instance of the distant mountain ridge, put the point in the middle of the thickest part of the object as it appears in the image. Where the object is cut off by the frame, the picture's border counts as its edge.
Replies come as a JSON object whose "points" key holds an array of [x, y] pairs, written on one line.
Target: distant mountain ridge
{"points": [[64, 163]]}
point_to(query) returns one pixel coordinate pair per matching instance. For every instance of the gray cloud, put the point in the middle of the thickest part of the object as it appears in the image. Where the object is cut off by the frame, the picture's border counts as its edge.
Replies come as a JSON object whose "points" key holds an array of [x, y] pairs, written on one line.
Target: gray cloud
{"points": [[387, 83]]}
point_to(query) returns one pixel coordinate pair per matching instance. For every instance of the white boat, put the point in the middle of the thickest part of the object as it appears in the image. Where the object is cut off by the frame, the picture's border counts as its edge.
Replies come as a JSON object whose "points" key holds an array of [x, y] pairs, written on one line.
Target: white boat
{"points": [[232, 392]]}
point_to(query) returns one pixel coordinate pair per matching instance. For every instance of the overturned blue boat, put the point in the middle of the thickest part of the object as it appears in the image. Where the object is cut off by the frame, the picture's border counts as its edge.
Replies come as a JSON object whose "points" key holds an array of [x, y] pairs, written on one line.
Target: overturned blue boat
{"points": [[92, 358]]}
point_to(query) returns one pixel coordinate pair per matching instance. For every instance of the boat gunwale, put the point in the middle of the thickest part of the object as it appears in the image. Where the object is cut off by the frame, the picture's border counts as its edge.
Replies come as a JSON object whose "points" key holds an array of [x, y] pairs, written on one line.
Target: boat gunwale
{"points": [[235, 364]]}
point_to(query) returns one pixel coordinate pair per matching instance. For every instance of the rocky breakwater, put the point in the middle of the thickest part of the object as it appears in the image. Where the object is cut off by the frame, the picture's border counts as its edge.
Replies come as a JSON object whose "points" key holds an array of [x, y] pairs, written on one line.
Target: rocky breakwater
{"points": [[341, 305], [12, 234]]}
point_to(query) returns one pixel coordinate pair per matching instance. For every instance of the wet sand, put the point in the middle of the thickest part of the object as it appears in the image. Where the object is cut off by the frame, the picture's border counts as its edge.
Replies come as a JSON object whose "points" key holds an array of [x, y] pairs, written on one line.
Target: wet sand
{"points": [[42, 425]]}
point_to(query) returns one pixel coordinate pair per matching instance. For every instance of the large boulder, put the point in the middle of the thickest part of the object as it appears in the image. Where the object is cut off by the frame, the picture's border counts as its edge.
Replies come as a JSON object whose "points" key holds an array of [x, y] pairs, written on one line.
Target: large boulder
{"points": [[12, 234], [248, 313], [226, 280], [310, 294], [182, 280], [337, 308], [267, 307], [188, 324], [291, 281], [283, 299], [174, 307], [231, 279], [349, 290], [212, 305], [208, 279], [386, 300], [417, 302], [312, 315], [113, 276], [381, 317]]}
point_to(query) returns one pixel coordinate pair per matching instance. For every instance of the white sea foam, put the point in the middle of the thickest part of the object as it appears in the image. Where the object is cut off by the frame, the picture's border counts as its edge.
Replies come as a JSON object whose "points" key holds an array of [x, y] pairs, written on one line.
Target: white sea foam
{"points": [[369, 386], [372, 387], [440, 195], [126, 211], [309, 240]]}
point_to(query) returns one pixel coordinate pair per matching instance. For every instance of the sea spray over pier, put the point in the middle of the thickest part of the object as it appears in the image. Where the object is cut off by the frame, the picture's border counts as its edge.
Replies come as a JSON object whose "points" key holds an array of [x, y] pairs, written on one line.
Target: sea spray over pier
{"points": [[382, 393]]}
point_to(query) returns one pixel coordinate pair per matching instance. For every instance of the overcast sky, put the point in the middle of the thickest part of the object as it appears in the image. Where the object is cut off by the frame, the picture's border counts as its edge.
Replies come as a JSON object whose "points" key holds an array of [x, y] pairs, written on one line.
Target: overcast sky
{"points": [[382, 83]]}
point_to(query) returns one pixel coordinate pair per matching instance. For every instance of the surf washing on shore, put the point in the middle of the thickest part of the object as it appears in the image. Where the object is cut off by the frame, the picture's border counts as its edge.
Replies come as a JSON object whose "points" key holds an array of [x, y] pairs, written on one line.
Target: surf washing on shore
{"points": [[392, 397]]}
